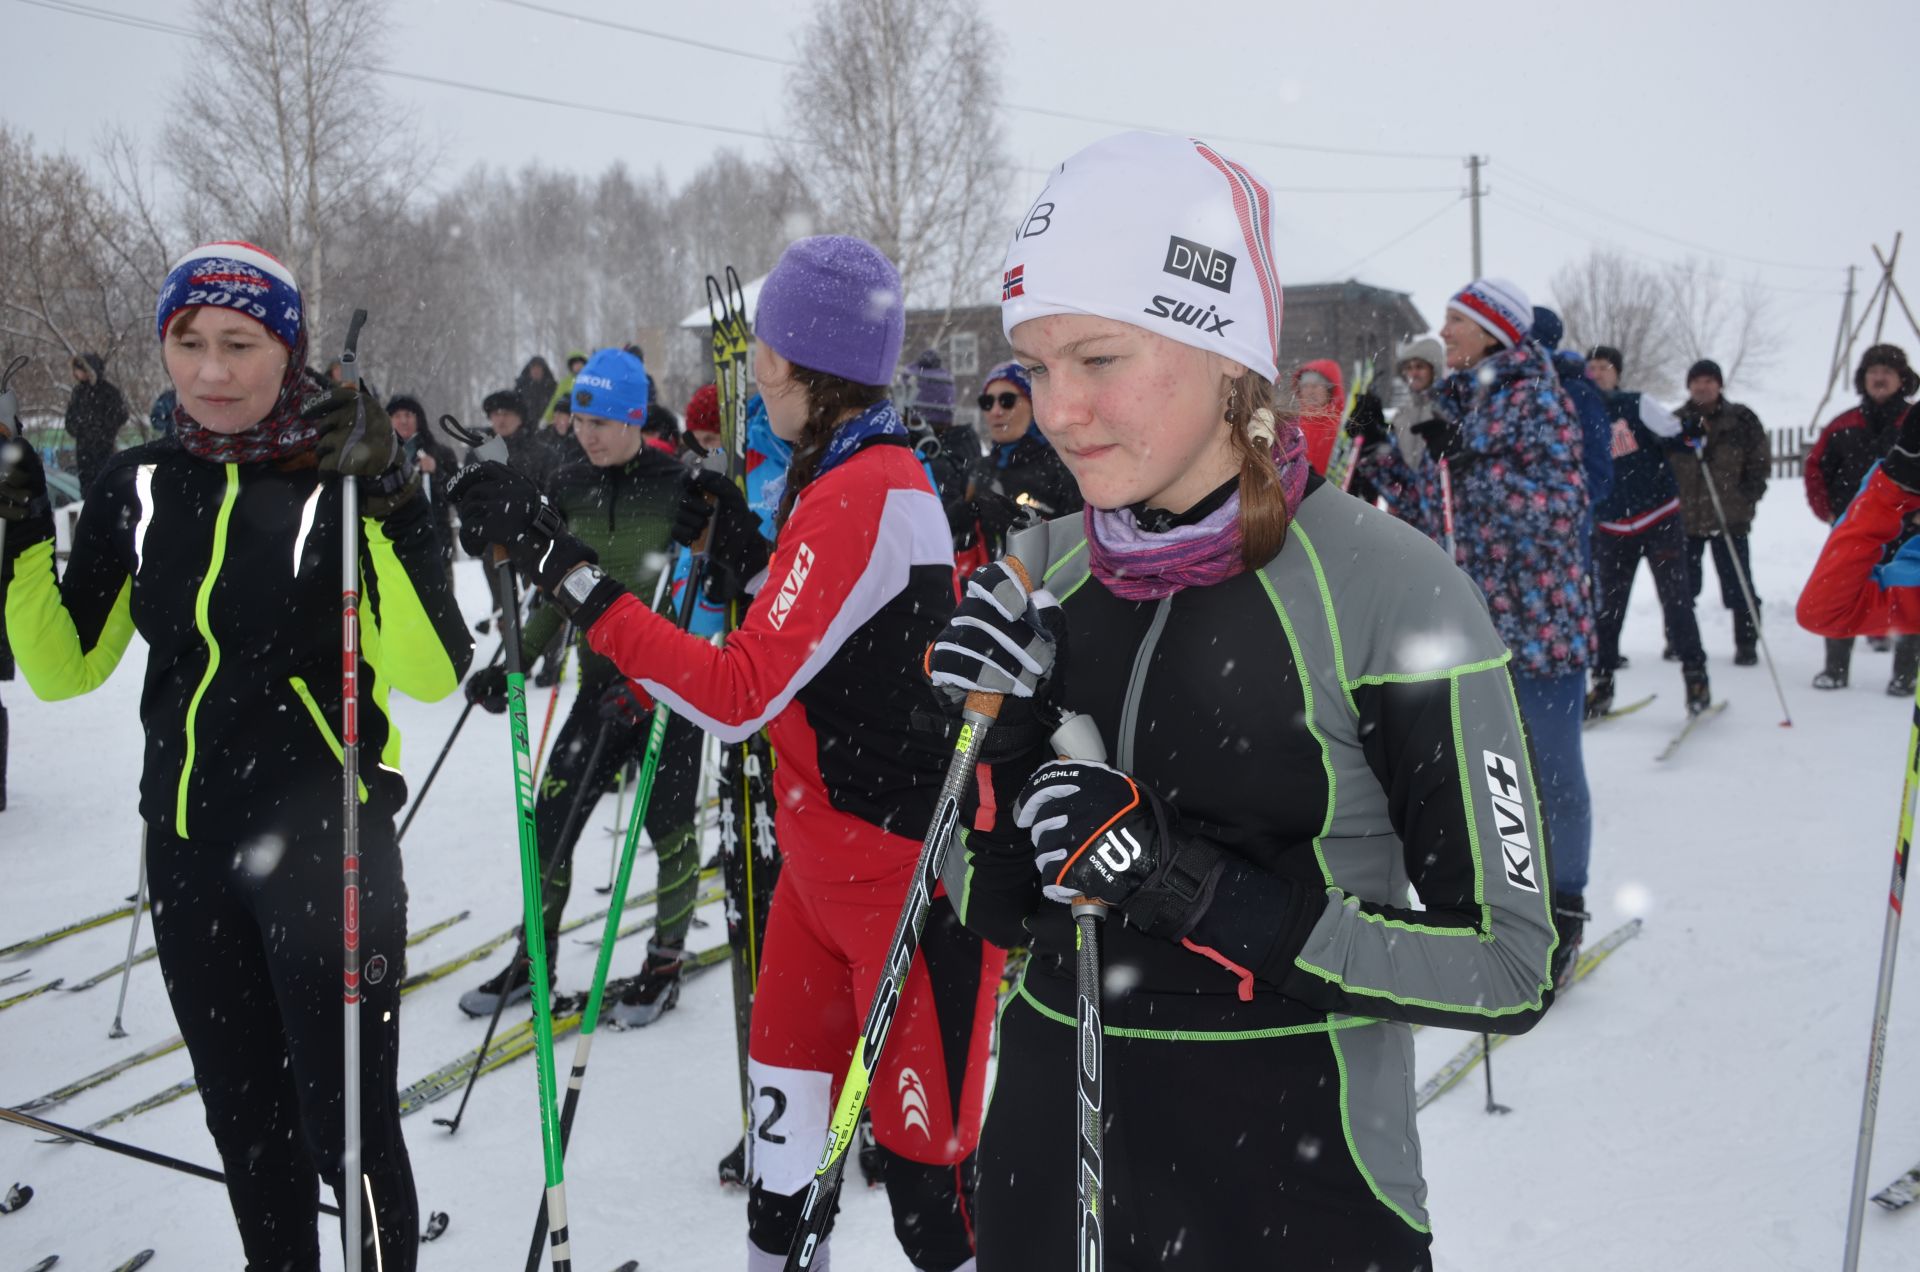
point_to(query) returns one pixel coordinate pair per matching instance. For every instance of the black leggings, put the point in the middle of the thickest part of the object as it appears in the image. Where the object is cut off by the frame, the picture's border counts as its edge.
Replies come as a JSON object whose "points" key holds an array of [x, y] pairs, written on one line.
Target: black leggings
{"points": [[670, 811], [250, 946]]}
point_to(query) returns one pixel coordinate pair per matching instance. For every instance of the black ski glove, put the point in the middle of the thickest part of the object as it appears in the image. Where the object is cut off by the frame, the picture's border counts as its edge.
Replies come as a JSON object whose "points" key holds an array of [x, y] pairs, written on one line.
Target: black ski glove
{"points": [[357, 440], [1367, 422], [1099, 834], [24, 505], [500, 506], [736, 553], [1442, 438], [487, 689], [625, 703], [1902, 464]]}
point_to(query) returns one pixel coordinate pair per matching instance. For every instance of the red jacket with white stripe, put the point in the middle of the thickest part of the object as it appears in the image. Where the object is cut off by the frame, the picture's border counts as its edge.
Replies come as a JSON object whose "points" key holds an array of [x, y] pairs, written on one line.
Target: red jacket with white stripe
{"points": [[828, 660]]}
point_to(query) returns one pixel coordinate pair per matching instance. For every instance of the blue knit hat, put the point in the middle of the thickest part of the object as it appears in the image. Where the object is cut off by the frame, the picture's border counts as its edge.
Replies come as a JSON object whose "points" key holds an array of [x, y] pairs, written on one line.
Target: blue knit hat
{"points": [[834, 304], [237, 276], [612, 386], [1011, 371]]}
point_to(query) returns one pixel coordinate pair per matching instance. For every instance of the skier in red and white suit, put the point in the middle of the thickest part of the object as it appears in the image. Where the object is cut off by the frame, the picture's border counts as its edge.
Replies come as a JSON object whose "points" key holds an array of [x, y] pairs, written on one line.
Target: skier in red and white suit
{"points": [[828, 660]]}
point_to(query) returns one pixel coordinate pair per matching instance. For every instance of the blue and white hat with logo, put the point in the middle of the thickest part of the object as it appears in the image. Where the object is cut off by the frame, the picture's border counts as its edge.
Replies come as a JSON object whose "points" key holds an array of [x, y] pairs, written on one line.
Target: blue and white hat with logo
{"points": [[1165, 233]]}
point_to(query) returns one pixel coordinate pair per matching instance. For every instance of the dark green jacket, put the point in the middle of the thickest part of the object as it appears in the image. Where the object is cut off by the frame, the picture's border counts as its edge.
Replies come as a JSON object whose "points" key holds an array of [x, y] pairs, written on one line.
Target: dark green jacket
{"points": [[626, 515], [231, 574]]}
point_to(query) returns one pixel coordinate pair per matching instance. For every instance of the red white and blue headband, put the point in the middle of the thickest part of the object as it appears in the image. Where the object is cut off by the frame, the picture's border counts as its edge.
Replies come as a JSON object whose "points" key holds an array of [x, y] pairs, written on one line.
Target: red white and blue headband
{"points": [[236, 276]]}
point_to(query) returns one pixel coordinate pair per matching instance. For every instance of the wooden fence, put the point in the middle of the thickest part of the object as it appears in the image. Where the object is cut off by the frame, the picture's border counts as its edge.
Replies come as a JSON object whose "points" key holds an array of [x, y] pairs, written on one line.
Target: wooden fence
{"points": [[1789, 446]]}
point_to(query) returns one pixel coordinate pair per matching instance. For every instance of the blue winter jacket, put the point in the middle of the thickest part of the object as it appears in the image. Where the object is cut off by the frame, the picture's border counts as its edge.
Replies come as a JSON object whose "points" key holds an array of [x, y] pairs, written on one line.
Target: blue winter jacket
{"points": [[1596, 425]]}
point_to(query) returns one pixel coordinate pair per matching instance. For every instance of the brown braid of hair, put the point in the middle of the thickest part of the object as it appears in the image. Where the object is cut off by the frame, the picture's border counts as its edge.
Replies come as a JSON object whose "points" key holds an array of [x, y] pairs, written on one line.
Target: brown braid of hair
{"points": [[830, 398], [1264, 515]]}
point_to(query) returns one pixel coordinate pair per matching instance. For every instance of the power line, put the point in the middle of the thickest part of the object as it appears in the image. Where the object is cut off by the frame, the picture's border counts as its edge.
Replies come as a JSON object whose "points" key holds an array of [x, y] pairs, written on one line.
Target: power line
{"points": [[1542, 218], [1013, 106], [1397, 239], [1542, 188], [658, 35], [74, 9]]}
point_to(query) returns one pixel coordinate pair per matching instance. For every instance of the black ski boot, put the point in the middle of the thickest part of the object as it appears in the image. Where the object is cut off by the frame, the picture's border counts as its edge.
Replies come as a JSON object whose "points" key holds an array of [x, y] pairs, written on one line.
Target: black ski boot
{"points": [[515, 980], [1746, 635], [1831, 678], [1570, 922], [1600, 697], [1901, 686], [1667, 654], [1699, 693], [733, 1167], [653, 992]]}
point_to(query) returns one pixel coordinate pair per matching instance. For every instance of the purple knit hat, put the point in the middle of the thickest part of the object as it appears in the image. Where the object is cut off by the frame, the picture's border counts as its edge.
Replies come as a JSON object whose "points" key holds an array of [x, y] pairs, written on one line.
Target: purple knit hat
{"points": [[834, 304]]}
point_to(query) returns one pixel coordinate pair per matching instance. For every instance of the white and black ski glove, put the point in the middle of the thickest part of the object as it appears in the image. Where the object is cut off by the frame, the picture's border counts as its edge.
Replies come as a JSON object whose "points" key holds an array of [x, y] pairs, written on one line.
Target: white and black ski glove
{"points": [[1000, 639], [1099, 834]]}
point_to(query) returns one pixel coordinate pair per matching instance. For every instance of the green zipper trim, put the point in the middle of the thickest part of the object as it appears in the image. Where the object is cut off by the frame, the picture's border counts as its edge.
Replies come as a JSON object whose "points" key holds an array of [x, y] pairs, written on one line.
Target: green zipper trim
{"points": [[1198, 1035], [205, 627], [305, 695]]}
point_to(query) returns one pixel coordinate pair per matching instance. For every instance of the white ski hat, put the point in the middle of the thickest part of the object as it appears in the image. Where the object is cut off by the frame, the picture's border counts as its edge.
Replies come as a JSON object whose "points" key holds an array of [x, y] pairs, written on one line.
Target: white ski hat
{"points": [[1165, 233]]}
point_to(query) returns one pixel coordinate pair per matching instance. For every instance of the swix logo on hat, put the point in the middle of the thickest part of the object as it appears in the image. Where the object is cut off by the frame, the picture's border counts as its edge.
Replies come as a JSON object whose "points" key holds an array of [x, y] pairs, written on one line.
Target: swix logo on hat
{"points": [[1208, 266], [1208, 320], [1013, 283]]}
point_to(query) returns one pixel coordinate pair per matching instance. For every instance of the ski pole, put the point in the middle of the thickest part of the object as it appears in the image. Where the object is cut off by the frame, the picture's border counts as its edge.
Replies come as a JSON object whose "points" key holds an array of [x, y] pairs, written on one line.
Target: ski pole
{"points": [[1486, 1064], [574, 813], [642, 800], [350, 802], [976, 718], [553, 698], [1446, 507], [1883, 995], [458, 724], [1746, 588], [1077, 738], [134, 1151], [530, 876], [133, 934], [10, 445]]}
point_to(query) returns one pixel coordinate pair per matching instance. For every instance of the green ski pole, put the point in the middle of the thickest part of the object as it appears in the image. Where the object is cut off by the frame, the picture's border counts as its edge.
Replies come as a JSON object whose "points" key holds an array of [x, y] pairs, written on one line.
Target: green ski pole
{"points": [[530, 875]]}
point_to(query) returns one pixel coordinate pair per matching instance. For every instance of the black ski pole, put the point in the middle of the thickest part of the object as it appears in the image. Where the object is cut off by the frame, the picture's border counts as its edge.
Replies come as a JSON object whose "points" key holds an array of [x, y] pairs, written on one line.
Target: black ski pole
{"points": [[126, 969], [520, 947], [1486, 1063], [139, 1154], [446, 750], [1746, 586]]}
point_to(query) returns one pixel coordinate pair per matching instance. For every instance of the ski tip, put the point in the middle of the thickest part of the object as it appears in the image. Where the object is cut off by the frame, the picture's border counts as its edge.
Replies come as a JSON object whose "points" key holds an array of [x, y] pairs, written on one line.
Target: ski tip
{"points": [[138, 1261]]}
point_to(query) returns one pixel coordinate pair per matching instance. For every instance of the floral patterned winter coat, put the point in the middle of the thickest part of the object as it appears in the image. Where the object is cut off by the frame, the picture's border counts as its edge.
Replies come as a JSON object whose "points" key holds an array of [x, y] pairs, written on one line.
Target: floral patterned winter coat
{"points": [[1519, 504]]}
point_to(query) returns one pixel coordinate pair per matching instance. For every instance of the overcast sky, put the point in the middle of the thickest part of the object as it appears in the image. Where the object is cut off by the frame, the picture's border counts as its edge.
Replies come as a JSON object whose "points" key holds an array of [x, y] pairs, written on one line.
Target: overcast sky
{"points": [[1762, 134]]}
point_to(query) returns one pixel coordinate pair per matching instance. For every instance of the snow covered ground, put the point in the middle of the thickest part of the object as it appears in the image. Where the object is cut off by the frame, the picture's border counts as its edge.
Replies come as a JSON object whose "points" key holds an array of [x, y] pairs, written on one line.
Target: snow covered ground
{"points": [[1693, 1105]]}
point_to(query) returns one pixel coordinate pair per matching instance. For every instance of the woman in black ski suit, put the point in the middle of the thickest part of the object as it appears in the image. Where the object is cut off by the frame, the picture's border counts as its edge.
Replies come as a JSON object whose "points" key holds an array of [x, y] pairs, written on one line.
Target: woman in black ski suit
{"points": [[221, 546], [1306, 710]]}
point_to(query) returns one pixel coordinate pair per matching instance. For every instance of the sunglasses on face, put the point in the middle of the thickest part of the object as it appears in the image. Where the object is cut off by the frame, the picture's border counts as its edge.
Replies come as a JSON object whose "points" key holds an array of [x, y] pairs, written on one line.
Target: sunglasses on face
{"points": [[1006, 400]]}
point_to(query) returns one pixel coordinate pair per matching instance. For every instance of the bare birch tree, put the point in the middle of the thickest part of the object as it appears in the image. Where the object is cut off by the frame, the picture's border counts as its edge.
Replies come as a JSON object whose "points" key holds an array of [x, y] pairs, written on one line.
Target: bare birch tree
{"points": [[72, 279], [893, 114], [288, 138], [1665, 318]]}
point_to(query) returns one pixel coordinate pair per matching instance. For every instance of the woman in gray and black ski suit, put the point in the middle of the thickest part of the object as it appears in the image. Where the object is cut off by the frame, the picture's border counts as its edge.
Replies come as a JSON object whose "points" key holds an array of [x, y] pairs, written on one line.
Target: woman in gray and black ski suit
{"points": [[1306, 711]]}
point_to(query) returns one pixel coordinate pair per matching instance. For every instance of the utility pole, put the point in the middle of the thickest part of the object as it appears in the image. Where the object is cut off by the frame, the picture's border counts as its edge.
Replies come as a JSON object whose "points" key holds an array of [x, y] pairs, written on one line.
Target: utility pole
{"points": [[1474, 164]]}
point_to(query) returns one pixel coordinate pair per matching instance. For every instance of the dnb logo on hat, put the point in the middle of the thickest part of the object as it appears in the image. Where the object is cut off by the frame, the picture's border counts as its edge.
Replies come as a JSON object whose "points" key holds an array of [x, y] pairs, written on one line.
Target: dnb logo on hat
{"points": [[1208, 266], [1013, 283]]}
